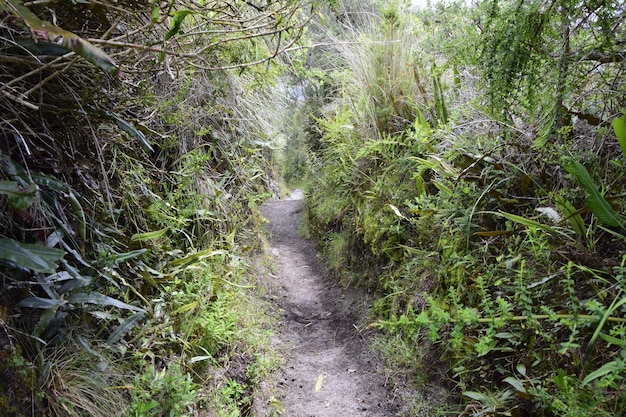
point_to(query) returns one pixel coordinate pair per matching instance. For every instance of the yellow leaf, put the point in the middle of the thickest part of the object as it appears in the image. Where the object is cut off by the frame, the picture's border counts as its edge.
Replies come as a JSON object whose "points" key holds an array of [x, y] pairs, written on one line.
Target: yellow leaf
{"points": [[318, 384]]}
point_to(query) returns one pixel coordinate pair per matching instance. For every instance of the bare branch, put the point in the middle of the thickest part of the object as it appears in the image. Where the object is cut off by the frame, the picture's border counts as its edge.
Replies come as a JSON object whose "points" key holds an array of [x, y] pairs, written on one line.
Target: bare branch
{"points": [[606, 57]]}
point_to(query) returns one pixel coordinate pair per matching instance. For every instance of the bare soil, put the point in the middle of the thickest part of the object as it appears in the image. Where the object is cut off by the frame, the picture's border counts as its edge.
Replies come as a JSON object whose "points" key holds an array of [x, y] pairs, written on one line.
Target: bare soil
{"points": [[330, 368]]}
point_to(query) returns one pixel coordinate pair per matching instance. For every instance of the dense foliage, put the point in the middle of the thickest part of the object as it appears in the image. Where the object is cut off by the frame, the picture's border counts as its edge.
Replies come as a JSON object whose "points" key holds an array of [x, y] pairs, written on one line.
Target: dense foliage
{"points": [[471, 171], [131, 164], [467, 164]]}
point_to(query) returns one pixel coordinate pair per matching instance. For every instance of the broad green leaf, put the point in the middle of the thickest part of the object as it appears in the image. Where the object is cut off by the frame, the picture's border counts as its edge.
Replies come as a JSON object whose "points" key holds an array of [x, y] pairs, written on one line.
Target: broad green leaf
{"points": [[420, 185], [19, 198], [619, 127], [596, 201], [47, 32], [421, 125], [482, 398], [176, 22], [121, 330], [35, 257], [442, 187], [156, 11], [515, 383], [50, 182], [99, 299]]}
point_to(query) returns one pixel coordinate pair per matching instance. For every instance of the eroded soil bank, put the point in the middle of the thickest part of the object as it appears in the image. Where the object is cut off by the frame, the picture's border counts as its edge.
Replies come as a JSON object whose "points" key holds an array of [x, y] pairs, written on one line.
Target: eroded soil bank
{"points": [[329, 369]]}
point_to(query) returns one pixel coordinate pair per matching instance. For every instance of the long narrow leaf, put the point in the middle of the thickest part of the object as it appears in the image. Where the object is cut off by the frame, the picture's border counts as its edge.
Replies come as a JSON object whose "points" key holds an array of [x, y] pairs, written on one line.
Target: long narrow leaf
{"points": [[596, 201], [127, 256], [571, 215], [121, 330], [605, 369], [99, 299], [49, 33], [46, 318], [526, 222], [196, 257], [35, 257], [613, 340], [140, 237], [44, 303], [134, 132], [614, 306]]}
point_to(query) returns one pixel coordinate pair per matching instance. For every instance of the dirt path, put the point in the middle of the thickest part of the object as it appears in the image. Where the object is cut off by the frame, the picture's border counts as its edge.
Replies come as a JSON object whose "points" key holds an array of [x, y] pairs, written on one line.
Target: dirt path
{"points": [[329, 369]]}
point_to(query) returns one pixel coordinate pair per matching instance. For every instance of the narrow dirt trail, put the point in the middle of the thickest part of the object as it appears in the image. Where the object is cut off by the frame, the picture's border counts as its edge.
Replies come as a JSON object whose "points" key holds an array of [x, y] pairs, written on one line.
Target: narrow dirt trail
{"points": [[329, 369]]}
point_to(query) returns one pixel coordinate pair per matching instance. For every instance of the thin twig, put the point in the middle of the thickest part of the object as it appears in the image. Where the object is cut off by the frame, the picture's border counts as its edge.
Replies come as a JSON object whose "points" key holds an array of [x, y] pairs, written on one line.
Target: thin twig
{"points": [[50, 77], [19, 100], [35, 71]]}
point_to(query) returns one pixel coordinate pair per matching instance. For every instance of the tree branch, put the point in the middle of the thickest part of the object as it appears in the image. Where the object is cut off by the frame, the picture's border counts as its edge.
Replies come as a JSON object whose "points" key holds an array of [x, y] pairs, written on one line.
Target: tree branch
{"points": [[606, 57]]}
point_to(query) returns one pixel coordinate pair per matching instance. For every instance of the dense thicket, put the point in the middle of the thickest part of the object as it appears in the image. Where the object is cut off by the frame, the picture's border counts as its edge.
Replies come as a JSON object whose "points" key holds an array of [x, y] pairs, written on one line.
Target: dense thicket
{"points": [[131, 163], [471, 171]]}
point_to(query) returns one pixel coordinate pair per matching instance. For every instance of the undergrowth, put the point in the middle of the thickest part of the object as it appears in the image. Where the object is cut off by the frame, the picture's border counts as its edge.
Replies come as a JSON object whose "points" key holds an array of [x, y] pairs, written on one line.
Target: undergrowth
{"points": [[494, 238], [131, 168]]}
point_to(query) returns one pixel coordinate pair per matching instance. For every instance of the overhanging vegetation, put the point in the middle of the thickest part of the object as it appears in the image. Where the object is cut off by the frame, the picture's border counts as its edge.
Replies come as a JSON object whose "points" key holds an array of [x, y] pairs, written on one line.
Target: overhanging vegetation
{"points": [[470, 169]]}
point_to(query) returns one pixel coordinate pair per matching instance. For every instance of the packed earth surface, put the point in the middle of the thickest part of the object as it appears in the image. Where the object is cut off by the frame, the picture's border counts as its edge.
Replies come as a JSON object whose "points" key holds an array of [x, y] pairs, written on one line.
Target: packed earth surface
{"points": [[329, 368]]}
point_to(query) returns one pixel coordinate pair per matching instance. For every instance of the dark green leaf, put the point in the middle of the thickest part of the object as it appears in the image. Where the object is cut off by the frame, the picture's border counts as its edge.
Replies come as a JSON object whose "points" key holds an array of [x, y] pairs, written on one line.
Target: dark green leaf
{"points": [[134, 132], [31, 256], [45, 303], [46, 317], [50, 182], [121, 330], [571, 215], [19, 198]]}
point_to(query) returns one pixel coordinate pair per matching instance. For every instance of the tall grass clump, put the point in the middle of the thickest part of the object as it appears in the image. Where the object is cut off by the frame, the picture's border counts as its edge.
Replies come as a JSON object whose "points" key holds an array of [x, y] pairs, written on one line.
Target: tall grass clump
{"points": [[492, 228]]}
